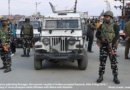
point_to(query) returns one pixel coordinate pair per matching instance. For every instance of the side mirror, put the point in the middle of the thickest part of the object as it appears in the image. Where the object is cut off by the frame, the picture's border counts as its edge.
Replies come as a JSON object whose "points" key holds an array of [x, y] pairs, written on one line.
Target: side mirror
{"points": [[39, 29]]}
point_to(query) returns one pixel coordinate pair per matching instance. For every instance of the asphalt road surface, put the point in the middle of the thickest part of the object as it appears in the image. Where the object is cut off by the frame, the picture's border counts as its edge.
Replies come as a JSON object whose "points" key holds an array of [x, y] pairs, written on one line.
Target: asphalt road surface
{"points": [[64, 77]]}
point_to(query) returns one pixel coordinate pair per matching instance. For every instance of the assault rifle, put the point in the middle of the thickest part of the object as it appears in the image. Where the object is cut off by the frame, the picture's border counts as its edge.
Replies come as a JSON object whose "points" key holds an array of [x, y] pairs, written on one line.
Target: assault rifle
{"points": [[108, 44], [3, 45]]}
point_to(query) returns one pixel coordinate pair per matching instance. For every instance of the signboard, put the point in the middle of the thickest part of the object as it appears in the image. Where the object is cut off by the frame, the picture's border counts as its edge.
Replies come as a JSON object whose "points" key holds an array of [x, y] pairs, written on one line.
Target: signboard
{"points": [[127, 3], [85, 14]]}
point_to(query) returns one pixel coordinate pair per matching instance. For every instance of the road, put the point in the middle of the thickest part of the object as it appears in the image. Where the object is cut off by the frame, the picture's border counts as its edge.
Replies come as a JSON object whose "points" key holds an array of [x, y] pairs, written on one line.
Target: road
{"points": [[66, 76]]}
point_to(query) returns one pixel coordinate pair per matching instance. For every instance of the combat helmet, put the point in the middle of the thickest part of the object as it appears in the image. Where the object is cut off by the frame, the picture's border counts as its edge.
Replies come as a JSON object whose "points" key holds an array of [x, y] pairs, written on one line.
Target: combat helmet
{"points": [[108, 13], [3, 19], [27, 19]]}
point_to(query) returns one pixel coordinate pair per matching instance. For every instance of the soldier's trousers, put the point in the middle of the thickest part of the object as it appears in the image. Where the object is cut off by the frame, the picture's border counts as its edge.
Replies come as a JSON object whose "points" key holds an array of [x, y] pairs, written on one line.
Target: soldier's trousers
{"points": [[27, 43], [127, 48], [6, 57], [104, 52]]}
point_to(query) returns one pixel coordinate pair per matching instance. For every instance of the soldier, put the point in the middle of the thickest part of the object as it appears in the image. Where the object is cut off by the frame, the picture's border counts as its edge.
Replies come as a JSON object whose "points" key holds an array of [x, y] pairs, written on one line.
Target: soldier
{"points": [[27, 33], [127, 32], [5, 45], [111, 31]]}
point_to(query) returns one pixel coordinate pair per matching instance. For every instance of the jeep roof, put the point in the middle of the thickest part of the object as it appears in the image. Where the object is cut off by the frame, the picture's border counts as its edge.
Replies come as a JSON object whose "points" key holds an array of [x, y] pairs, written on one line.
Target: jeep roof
{"points": [[63, 15]]}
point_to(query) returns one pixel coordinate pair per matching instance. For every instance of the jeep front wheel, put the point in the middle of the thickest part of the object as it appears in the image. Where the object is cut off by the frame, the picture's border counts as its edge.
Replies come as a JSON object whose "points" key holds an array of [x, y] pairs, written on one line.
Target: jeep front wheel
{"points": [[37, 63], [82, 63]]}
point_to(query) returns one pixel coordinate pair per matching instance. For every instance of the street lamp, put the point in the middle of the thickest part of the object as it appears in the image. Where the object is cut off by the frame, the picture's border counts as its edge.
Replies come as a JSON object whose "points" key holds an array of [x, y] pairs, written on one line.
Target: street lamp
{"points": [[9, 9], [36, 6]]}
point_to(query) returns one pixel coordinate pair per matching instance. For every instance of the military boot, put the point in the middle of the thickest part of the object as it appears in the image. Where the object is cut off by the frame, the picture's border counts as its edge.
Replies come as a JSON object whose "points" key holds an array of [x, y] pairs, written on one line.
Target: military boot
{"points": [[116, 80], [4, 67], [100, 79], [27, 55], [24, 54], [8, 68]]}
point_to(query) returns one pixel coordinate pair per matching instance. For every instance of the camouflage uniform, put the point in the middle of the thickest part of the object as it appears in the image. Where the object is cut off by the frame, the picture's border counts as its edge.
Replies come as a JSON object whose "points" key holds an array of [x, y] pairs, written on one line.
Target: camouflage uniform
{"points": [[6, 39], [127, 32], [111, 31], [27, 31]]}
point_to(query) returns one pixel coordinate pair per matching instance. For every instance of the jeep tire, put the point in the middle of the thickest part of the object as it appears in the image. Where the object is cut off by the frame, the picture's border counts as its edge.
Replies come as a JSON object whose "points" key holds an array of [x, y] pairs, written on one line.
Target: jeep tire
{"points": [[37, 63], [82, 63]]}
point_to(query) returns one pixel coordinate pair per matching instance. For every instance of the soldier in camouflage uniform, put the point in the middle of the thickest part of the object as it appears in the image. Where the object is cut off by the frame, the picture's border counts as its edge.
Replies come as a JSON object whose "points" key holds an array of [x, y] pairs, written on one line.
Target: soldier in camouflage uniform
{"points": [[27, 34], [111, 31], [5, 45], [127, 32]]}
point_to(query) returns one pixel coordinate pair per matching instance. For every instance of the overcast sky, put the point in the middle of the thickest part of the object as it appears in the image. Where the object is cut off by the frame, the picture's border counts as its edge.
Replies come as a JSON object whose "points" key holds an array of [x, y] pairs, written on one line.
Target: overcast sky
{"points": [[28, 7]]}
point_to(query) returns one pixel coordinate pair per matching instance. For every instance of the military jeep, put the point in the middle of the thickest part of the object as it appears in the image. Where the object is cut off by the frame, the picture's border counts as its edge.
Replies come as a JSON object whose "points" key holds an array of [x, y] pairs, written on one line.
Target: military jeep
{"points": [[61, 40]]}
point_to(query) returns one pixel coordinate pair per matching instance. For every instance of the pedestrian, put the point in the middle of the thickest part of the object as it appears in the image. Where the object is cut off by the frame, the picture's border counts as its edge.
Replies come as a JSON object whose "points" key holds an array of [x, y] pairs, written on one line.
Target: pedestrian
{"points": [[127, 32], [90, 35], [111, 31], [116, 22], [98, 24], [5, 37], [13, 43], [26, 35]]}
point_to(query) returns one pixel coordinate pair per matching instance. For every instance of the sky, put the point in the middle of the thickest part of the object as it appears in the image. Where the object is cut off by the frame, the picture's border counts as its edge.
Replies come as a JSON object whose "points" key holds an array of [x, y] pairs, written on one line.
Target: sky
{"points": [[28, 7]]}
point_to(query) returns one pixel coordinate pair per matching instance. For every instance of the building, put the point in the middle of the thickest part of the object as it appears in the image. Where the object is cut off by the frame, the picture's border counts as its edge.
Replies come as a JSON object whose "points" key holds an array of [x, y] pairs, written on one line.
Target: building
{"points": [[18, 17], [14, 18]]}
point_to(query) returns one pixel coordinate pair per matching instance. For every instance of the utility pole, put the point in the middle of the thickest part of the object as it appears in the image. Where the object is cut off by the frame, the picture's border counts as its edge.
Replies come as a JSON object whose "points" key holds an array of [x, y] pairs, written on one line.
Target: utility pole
{"points": [[9, 9], [121, 7], [108, 7], [36, 7]]}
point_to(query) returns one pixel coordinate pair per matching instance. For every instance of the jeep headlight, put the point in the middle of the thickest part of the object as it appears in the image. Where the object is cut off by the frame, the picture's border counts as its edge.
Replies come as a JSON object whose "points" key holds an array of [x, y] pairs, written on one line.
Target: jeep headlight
{"points": [[46, 41], [71, 41]]}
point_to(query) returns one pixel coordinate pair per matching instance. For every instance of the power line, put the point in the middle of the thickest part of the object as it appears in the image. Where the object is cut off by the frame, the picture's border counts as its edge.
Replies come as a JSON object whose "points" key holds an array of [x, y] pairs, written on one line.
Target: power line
{"points": [[25, 2], [22, 2], [121, 7]]}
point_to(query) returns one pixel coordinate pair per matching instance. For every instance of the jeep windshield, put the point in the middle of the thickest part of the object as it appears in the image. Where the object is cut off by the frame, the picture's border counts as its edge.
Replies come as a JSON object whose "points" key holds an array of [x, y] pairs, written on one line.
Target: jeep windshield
{"points": [[36, 24], [61, 24]]}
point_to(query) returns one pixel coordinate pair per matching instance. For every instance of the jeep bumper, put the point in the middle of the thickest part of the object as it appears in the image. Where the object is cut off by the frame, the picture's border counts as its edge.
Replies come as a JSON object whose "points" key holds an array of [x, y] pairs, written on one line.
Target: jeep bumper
{"points": [[58, 56]]}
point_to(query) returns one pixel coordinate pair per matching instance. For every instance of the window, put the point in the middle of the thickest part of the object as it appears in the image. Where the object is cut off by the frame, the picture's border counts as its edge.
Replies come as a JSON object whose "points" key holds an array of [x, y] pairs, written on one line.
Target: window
{"points": [[64, 24], [36, 24], [51, 24]]}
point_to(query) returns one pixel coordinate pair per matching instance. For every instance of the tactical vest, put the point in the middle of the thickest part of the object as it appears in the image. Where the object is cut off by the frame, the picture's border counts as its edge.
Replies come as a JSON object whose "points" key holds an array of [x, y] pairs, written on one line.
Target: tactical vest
{"points": [[27, 29], [4, 34], [109, 31]]}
